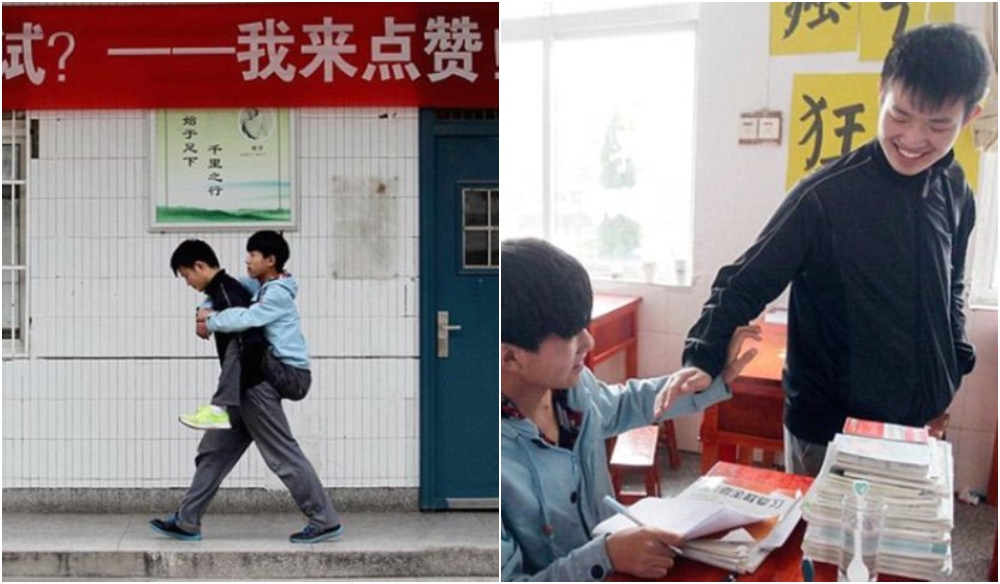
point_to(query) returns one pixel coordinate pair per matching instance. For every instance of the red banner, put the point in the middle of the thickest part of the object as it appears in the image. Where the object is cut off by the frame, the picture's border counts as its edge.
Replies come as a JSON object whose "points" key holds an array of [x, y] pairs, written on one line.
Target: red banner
{"points": [[233, 55]]}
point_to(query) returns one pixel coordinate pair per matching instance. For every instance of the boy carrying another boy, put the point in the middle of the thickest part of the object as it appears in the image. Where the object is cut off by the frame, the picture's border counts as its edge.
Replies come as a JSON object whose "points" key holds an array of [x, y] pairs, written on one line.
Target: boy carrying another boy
{"points": [[241, 354], [259, 417], [555, 416]]}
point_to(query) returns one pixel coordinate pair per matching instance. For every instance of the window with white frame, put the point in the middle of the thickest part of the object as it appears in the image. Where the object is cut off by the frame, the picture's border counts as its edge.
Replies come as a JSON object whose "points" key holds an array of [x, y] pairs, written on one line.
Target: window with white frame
{"points": [[14, 219], [600, 157], [984, 266], [480, 228]]}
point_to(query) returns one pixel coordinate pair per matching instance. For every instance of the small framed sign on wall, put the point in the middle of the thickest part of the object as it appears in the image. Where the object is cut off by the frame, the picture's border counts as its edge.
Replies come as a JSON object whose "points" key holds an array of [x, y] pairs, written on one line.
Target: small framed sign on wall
{"points": [[222, 169]]}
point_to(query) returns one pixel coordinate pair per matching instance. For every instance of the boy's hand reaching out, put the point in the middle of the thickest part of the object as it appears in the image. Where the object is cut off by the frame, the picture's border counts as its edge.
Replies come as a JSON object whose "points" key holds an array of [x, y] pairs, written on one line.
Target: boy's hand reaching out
{"points": [[693, 380], [200, 327], [734, 361], [686, 380]]}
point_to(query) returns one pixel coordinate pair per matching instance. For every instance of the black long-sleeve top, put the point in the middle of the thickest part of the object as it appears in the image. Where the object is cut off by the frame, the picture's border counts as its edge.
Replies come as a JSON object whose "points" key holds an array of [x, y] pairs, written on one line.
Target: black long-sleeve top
{"points": [[226, 292], [876, 262]]}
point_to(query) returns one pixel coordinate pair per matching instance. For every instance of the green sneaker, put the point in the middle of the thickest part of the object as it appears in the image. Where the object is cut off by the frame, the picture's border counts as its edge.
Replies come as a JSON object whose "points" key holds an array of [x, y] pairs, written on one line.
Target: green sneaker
{"points": [[207, 418]]}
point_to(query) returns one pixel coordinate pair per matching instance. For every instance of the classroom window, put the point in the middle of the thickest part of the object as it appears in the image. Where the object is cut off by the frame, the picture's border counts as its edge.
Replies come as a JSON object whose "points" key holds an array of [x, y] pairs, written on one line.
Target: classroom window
{"points": [[522, 9], [601, 152], [14, 220]]}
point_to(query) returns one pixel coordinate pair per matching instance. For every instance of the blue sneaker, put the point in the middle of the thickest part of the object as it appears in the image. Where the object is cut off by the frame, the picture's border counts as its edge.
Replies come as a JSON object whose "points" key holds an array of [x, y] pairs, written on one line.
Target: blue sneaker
{"points": [[313, 534], [169, 528]]}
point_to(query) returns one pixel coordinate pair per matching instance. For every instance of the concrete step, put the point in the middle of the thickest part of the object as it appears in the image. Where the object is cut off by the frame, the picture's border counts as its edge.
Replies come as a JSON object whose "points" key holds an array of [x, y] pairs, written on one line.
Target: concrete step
{"points": [[375, 545]]}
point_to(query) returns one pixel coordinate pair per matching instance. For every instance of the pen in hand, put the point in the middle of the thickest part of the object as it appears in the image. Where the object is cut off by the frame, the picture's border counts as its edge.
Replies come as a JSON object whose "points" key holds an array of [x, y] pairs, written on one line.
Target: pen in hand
{"points": [[808, 571], [623, 510]]}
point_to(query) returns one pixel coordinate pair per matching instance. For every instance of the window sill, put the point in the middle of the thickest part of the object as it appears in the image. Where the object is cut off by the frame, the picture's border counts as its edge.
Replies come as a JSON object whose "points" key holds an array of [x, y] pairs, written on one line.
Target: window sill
{"points": [[14, 350], [605, 283]]}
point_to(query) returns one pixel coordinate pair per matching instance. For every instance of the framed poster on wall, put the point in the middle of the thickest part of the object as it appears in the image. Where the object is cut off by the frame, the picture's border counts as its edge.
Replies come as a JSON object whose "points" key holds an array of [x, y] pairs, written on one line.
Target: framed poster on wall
{"points": [[222, 169]]}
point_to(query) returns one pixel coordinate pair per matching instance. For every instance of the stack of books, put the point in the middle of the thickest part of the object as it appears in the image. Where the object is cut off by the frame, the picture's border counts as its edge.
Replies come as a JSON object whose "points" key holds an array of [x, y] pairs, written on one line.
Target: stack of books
{"points": [[907, 469], [731, 518]]}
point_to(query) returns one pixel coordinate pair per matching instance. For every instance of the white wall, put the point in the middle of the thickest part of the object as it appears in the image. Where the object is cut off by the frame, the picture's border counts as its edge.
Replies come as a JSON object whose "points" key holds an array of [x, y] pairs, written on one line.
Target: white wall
{"points": [[737, 188], [113, 359]]}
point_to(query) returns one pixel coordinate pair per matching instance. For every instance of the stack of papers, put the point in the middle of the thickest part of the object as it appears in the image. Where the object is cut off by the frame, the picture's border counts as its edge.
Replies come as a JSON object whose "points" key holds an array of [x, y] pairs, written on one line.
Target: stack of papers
{"points": [[731, 518], [913, 476]]}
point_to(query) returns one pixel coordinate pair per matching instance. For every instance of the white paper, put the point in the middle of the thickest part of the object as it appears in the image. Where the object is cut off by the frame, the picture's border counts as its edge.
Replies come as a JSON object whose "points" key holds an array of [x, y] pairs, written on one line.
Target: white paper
{"points": [[689, 518]]}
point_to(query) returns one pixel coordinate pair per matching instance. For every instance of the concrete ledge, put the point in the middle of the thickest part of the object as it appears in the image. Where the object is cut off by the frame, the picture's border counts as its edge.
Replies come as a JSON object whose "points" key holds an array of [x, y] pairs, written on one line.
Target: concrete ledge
{"points": [[250, 546], [257, 500], [451, 562]]}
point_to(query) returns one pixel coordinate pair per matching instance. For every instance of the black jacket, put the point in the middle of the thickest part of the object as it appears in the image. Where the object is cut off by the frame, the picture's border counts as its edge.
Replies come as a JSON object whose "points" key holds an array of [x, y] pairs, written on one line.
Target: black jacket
{"points": [[876, 262], [226, 292]]}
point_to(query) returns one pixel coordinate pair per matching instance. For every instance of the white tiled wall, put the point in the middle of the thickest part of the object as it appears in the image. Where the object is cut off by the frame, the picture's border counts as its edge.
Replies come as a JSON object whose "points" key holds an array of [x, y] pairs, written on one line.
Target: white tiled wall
{"points": [[112, 357], [973, 425]]}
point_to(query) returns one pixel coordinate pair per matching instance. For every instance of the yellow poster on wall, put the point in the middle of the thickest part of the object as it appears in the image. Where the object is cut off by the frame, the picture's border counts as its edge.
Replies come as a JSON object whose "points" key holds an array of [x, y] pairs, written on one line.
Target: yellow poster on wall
{"points": [[941, 12], [813, 27], [832, 115], [881, 22]]}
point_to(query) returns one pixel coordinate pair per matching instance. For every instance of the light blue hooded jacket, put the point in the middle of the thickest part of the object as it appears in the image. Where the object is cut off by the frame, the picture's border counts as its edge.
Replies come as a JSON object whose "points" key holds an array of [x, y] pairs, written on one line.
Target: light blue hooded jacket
{"points": [[551, 497], [273, 307]]}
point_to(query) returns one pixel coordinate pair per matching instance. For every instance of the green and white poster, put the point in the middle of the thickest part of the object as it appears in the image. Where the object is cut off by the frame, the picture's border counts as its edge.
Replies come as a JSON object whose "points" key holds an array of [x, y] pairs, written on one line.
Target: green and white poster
{"points": [[222, 169]]}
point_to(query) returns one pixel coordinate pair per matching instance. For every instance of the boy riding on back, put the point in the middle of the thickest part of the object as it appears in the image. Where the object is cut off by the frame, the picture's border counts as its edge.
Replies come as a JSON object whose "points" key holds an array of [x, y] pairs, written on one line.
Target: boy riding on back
{"points": [[286, 360]]}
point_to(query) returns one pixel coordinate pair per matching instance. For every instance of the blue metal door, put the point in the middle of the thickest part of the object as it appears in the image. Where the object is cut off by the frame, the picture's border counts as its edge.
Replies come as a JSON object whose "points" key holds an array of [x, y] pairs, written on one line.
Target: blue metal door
{"points": [[459, 281]]}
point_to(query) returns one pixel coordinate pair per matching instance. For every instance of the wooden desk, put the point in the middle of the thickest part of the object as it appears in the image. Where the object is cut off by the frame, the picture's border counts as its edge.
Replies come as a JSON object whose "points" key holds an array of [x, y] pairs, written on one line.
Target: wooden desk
{"points": [[753, 417], [782, 565], [635, 450], [614, 324]]}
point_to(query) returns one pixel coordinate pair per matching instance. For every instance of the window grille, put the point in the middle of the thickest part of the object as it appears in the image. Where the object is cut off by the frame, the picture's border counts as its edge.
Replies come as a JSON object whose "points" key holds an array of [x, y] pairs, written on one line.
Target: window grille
{"points": [[15, 155], [481, 228]]}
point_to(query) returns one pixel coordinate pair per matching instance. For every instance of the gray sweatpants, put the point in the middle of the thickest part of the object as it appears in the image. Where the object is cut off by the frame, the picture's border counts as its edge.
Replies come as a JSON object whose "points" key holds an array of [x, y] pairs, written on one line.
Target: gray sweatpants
{"points": [[259, 419], [801, 457]]}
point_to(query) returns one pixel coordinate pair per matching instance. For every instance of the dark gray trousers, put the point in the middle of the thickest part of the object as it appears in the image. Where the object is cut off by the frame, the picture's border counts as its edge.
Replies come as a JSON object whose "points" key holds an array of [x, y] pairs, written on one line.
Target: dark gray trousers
{"points": [[259, 419], [291, 382]]}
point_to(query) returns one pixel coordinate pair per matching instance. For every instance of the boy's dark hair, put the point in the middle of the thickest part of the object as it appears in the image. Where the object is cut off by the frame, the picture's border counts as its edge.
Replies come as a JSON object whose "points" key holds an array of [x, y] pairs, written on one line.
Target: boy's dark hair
{"points": [[937, 65], [270, 243], [543, 291], [191, 251]]}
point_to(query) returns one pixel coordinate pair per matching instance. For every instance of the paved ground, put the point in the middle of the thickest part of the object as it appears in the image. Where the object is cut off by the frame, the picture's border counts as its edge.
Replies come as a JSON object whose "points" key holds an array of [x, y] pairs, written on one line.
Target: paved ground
{"points": [[405, 545]]}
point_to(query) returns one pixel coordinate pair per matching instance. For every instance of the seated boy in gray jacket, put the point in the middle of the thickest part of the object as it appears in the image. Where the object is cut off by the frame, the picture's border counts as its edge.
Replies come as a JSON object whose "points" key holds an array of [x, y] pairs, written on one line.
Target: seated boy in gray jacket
{"points": [[555, 416]]}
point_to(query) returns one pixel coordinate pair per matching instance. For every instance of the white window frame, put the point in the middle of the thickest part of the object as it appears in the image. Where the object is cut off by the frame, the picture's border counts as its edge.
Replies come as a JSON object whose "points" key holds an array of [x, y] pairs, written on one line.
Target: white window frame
{"points": [[554, 26], [491, 228], [984, 262], [15, 131]]}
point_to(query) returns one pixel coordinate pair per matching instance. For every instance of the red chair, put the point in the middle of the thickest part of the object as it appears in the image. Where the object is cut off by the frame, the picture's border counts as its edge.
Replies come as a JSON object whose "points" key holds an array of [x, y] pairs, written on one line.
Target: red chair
{"points": [[668, 439], [633, 451]]}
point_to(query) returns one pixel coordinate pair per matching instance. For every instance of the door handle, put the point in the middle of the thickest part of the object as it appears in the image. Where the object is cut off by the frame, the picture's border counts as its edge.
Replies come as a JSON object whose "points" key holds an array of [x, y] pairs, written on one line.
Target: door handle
{"points": [[444, 332]]}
